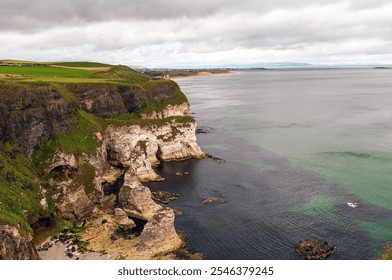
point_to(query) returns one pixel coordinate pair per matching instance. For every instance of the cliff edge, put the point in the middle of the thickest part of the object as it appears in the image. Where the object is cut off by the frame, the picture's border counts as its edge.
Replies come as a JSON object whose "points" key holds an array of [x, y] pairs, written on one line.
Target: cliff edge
{"points": [[75, 147]]}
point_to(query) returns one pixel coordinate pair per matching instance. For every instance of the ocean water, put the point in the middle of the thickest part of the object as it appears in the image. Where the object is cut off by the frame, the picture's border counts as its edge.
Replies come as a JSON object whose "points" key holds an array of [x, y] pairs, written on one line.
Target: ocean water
{"points": [[298, 145]]}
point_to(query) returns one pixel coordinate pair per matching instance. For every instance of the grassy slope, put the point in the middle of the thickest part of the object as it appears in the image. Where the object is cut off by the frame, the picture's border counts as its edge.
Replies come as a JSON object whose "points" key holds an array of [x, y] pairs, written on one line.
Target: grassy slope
{"points": [[43, 71], [18, 189], [20, 177]]}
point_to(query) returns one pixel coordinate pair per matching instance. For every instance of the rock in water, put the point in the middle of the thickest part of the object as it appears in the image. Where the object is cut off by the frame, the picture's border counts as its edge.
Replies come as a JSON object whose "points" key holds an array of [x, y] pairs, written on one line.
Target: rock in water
{"points": [[315, 250], [164, 197], [210, 199]]}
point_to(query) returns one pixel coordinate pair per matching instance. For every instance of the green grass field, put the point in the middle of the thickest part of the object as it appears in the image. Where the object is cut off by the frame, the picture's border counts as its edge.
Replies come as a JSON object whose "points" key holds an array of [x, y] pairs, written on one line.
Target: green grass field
{"points": [[44, 71], [80, 64]]}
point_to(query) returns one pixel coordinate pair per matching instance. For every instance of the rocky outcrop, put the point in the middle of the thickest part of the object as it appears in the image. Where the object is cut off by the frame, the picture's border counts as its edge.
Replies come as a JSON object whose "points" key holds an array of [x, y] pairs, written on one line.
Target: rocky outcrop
{"points": [[122, 219], [125, 156], [136, 199], [169, 111], [32, 114], [159, 235], [103, 100], [13, 246], [315, 249], [140, 147], [76, 205], [164, 197]]}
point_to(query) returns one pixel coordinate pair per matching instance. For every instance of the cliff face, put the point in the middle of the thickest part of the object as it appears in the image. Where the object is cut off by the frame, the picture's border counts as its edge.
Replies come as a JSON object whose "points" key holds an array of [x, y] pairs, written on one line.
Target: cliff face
{"points": [[13, 246], [124, 159], [86, 160], [32, 115], [139, 147]]}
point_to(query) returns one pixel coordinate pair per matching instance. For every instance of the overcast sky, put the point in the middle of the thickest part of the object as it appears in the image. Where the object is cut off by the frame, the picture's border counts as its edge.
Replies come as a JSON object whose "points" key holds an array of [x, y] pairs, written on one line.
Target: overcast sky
{"points": [[172, 33]]}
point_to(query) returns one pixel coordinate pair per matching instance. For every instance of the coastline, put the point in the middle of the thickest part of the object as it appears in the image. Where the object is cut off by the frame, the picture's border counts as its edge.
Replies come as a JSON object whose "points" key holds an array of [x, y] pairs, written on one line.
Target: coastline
{"points": [[204, 74]]}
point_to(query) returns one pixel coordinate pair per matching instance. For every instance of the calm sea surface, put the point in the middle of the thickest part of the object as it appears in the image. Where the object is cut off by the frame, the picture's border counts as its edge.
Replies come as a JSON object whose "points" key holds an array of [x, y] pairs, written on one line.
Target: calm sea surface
{"points": [[298, 145]]}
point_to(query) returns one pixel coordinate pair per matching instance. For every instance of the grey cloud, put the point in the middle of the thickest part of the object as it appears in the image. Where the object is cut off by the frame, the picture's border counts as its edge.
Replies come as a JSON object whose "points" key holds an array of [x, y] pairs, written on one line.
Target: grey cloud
{"points": [[35, 15], [164, 30]]}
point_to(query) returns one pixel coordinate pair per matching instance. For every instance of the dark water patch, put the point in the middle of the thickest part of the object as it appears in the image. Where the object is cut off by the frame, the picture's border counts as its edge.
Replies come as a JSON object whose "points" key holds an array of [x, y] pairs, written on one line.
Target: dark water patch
{"points": [[351, 154], [257, 221]]}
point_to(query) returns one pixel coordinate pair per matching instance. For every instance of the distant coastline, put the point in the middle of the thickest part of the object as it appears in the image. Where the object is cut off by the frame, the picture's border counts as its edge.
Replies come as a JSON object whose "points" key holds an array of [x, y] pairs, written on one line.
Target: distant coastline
{"points": [[184, 73], [205, 74]]}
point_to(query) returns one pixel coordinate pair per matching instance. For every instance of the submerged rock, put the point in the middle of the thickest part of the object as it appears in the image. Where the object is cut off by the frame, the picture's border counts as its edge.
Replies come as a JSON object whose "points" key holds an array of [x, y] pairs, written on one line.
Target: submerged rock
{"points": [[314, 249], [216, 159], [183, 254], [210, 199]]}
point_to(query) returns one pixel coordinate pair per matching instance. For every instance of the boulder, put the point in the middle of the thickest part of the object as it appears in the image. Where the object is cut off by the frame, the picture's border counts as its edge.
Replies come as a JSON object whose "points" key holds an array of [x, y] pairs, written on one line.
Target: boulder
{"points": [[164, 197], [159, 234], [315, 249], [136, 199], [122, 219], [76, 205]]}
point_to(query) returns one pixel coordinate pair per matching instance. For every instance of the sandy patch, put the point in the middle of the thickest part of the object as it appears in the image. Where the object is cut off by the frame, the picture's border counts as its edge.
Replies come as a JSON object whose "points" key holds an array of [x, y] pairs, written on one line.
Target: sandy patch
{"points": [[59, 252]]}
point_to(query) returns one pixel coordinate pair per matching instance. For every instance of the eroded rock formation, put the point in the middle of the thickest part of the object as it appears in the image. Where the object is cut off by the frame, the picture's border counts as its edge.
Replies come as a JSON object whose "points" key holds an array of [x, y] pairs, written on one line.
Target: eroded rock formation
{"points": [[74, 184], [129, 153], [13, 246]]}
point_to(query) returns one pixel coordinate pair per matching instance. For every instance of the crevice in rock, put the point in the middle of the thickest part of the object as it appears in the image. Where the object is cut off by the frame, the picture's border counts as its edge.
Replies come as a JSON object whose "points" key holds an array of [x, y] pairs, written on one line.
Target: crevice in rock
{"points": [[159, 153], [112, 159], [137, 230], [113, 188], [64, 173], [129, 233], [44, 222]]}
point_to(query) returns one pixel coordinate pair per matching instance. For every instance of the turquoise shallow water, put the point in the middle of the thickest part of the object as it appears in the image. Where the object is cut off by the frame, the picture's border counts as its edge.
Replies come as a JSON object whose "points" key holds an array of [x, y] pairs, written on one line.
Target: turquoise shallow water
{"points": [[308, 141]]}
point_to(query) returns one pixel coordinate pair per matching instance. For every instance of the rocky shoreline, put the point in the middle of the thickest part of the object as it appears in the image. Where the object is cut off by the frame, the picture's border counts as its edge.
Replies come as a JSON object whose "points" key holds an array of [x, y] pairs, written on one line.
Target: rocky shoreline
{"points": [[76, 154], [126, 223]]}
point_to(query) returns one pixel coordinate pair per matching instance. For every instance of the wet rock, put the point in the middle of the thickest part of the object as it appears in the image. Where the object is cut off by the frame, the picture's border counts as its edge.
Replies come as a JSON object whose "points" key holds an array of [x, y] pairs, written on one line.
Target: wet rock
{"points": [[177, 213], [164, 197], [200, 130], [315, 249], [354, 204], [183, 254], [216, 159], [182, 173], [210, 199]]}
